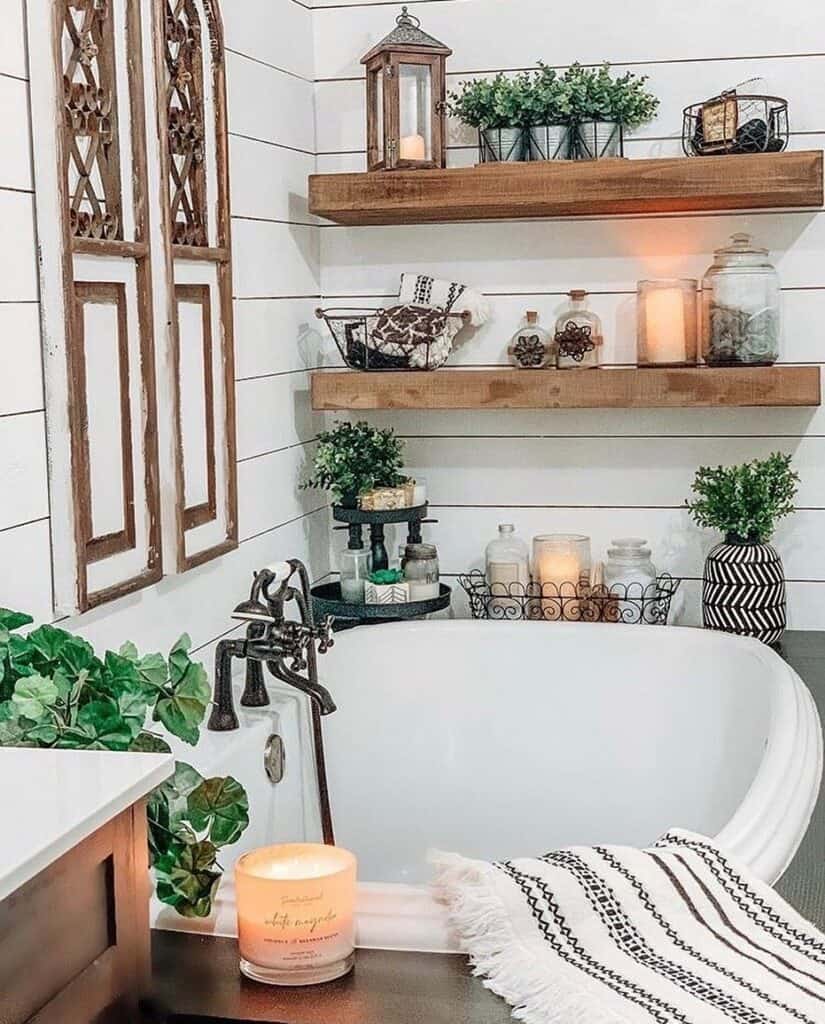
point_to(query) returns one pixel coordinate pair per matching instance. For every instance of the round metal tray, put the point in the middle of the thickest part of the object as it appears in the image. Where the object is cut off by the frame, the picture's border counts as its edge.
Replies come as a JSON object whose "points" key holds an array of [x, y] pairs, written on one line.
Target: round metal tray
{"points": [[326, 600], [393, 515]]}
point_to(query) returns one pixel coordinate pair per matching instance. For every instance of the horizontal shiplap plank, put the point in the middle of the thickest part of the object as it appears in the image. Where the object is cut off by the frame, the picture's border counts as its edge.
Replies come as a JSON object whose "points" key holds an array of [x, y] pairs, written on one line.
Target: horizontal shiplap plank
{"points": [[488, 34], [18, 261], [274, 413], [201, 600], [278, 32], [273, 260], [803, 311], [15, 155], [25, 555], [678, 546], [13, 39], [268, 491], [21, 375], [23, 469], [534, 256], [577, 471], [269, 105], [269, 182], [277, 336]]}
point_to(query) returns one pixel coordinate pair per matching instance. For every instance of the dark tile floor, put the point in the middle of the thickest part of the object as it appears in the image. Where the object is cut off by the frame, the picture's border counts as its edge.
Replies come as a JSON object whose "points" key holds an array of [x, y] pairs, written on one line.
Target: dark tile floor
{"points": [[803, 884]]}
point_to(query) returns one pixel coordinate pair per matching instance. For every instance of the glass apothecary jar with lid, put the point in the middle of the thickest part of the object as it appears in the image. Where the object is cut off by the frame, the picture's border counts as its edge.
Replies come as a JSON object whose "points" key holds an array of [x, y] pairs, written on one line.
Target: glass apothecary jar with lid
{"points": [[578, 334], [741, 317]]}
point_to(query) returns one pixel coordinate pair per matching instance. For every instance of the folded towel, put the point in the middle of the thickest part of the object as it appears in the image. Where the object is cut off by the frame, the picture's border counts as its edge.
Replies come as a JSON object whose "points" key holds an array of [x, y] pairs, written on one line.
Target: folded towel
{"points": [[679, 932], [452, 297]]}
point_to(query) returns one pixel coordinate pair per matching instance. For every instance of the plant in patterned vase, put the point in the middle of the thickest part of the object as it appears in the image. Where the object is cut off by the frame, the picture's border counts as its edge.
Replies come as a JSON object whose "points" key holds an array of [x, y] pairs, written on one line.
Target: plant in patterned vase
{"points": [[743, 587]]}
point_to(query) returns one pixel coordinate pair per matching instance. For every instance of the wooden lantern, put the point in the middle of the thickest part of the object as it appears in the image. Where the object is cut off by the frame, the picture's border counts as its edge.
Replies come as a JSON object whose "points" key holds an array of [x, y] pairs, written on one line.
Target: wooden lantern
{"points": [[406, 99]]}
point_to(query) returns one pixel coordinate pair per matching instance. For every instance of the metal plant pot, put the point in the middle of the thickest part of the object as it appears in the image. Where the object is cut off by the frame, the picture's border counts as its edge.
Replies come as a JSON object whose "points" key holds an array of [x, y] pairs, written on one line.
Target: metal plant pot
{"points": [[743, 590], [598, 140], [549, 141], [501, 145]]}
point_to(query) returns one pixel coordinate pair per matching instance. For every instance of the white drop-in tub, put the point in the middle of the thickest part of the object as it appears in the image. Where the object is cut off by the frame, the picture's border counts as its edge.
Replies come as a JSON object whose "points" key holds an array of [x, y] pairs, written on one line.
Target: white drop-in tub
{"points": [[507, 739]]}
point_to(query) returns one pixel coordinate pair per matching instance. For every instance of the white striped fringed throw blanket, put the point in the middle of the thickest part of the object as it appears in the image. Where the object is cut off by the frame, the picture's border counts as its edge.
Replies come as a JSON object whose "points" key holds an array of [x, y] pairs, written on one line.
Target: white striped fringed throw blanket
{"points": [[675, 934]]}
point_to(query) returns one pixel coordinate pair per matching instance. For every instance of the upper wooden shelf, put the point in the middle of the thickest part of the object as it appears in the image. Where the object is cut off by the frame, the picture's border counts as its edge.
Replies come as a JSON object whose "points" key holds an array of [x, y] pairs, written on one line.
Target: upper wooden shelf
{"points": [[557, 188], [507, 388]]}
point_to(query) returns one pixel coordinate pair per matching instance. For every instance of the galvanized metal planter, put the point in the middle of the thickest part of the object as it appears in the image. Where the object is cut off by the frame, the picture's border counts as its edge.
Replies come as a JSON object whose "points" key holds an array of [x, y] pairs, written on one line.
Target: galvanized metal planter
{"points": [[502, 145], [598, 140], [549, 141]]}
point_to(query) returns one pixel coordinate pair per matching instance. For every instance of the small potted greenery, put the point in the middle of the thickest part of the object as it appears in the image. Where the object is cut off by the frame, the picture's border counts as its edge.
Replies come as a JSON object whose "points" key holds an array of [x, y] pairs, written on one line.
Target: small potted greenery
{"points": [[495, 107], [602, 108], [55, 692], [353, 458], [547, 115], [744, 582]]}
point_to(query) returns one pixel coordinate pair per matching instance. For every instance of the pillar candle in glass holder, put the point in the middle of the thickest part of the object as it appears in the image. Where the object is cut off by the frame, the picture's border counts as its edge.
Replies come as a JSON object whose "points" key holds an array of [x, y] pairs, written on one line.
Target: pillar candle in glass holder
{"points": [[561, 561], [667, 322], [296, 921]]}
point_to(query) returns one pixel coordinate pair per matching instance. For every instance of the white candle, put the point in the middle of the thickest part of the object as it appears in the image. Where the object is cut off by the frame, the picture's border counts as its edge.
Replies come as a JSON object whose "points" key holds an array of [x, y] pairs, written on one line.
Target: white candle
{"points": [[559, 567], [296, 923], [412, 147], [665, 326]]}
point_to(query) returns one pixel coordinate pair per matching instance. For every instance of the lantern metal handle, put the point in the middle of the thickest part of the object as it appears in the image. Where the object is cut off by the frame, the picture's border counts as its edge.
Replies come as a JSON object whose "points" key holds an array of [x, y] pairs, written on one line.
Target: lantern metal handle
{"points": [[405, 18]]}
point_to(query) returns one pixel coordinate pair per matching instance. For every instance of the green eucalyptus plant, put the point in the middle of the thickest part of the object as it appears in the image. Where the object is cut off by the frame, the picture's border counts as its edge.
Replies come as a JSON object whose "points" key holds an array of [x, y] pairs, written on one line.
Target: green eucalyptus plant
{"points": [[547, 98], [745, 502], [486, 103], [56, 692], [594, 94], [355, 457]]}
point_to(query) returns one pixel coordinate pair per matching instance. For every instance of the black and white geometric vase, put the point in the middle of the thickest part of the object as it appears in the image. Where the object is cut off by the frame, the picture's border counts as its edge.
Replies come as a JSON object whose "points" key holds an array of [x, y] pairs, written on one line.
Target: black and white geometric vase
{"points": [[743, 590]]}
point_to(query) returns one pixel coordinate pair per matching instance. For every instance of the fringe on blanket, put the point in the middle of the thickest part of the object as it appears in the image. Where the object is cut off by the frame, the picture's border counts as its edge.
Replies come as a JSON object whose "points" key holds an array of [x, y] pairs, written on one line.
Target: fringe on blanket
{"points": [[510, 971]]}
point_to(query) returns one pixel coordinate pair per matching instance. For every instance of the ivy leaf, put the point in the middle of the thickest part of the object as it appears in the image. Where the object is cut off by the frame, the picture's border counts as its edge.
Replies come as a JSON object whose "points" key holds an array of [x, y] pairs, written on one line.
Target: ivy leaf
{"points": [[12, 732], [33, 695], [221, 807], [10, 620], [47, 642], [151, 668], [76, 657], [132, 708], [188, 877], [184, 703], [100, 726], [149, 743]]}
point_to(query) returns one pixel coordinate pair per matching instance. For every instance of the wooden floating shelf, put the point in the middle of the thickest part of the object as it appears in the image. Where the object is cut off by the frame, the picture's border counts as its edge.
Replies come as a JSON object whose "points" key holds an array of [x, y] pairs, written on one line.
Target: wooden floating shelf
{"points": [[682, 387], [565, 188]]}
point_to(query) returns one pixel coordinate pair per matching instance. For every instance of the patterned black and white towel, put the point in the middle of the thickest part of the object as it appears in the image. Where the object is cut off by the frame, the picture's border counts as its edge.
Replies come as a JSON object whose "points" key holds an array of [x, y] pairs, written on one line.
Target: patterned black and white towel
{"points": [[675, 934]]}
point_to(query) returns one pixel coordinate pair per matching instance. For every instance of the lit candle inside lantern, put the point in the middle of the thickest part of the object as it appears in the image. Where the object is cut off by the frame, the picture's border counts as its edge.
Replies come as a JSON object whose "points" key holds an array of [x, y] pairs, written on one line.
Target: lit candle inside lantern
{"points": [[665, 312], [296, 913], [559, 567], [412, 147], [560, 563]]}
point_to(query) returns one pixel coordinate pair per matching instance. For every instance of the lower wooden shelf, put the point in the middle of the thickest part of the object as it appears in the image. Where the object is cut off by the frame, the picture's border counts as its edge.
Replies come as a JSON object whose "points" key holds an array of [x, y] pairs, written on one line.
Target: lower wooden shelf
{"points": [[505, 388]]}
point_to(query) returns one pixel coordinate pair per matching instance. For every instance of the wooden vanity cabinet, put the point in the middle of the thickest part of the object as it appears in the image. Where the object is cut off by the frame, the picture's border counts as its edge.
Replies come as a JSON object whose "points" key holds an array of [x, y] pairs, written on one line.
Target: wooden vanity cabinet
{"points": [[74, 940]]}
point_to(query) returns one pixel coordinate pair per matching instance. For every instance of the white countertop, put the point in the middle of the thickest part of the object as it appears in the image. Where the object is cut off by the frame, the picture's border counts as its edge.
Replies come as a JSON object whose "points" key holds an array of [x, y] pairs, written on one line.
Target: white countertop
{"points": [[50, 800]]}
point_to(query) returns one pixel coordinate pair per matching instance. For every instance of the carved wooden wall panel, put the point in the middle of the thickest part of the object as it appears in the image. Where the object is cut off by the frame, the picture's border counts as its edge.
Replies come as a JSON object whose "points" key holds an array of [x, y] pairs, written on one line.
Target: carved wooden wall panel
{"points": [[194, 164], [88, 113]]}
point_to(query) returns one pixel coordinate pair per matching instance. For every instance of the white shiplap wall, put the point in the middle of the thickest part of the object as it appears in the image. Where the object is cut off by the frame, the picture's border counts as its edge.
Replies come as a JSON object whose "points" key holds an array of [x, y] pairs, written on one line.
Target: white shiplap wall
{"points": [[614, 472], [276, 288]]}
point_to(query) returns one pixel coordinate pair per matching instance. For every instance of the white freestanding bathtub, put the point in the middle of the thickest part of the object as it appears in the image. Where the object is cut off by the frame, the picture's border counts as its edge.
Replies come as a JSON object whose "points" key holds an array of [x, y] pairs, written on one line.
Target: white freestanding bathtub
{"points": [[500, 740]]}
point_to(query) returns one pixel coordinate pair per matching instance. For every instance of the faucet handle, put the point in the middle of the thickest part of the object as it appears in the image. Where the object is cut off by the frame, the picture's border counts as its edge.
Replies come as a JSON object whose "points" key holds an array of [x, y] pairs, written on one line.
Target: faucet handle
{"points": [[326, 638]]}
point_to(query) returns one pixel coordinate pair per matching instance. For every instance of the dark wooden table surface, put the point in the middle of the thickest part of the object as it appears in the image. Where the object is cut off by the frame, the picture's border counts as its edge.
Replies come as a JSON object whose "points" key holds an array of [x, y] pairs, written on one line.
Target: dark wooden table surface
{"points": [[197, 979]]}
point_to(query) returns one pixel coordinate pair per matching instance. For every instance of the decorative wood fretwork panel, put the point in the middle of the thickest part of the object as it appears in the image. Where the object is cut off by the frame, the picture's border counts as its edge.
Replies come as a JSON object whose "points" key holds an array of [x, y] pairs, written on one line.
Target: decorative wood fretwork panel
{"points": [[192, 109], [92, 150], [88, 113]]}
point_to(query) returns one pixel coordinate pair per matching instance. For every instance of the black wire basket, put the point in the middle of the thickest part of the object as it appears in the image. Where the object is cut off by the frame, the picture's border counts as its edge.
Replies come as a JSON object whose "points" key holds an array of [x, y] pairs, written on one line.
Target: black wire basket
{"points": [[735, 123], [632, 603], [361, 348]]}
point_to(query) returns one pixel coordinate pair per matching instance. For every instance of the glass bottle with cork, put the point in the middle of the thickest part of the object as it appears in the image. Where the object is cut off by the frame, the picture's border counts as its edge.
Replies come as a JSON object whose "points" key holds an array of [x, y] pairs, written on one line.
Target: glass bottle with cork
{"points": [[578, 335]]}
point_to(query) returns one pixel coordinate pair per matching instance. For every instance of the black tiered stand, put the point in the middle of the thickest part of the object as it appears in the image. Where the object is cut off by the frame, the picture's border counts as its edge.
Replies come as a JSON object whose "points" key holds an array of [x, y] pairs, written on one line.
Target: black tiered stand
{"points": [[326, 598]]}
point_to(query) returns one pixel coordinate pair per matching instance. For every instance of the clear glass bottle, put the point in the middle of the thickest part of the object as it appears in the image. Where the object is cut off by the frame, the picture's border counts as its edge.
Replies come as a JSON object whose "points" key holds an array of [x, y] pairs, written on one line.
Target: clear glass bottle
{"points": [[420, 565], [355, 565], [531, 347], [507, 561], [741, 319], [630, 569], [578, 335]]}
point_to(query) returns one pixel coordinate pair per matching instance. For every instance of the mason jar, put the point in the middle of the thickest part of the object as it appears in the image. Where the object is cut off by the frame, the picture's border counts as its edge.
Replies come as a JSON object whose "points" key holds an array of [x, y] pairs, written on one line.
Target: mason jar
{"points": [[741, 318], [420, 565]]}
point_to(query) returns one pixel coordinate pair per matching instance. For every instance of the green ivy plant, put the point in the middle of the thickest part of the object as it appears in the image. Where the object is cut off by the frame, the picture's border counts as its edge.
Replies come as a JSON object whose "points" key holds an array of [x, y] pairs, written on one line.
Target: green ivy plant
{"points": [[594, 94], [745, 502], [56, 692], [353, 458]]}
